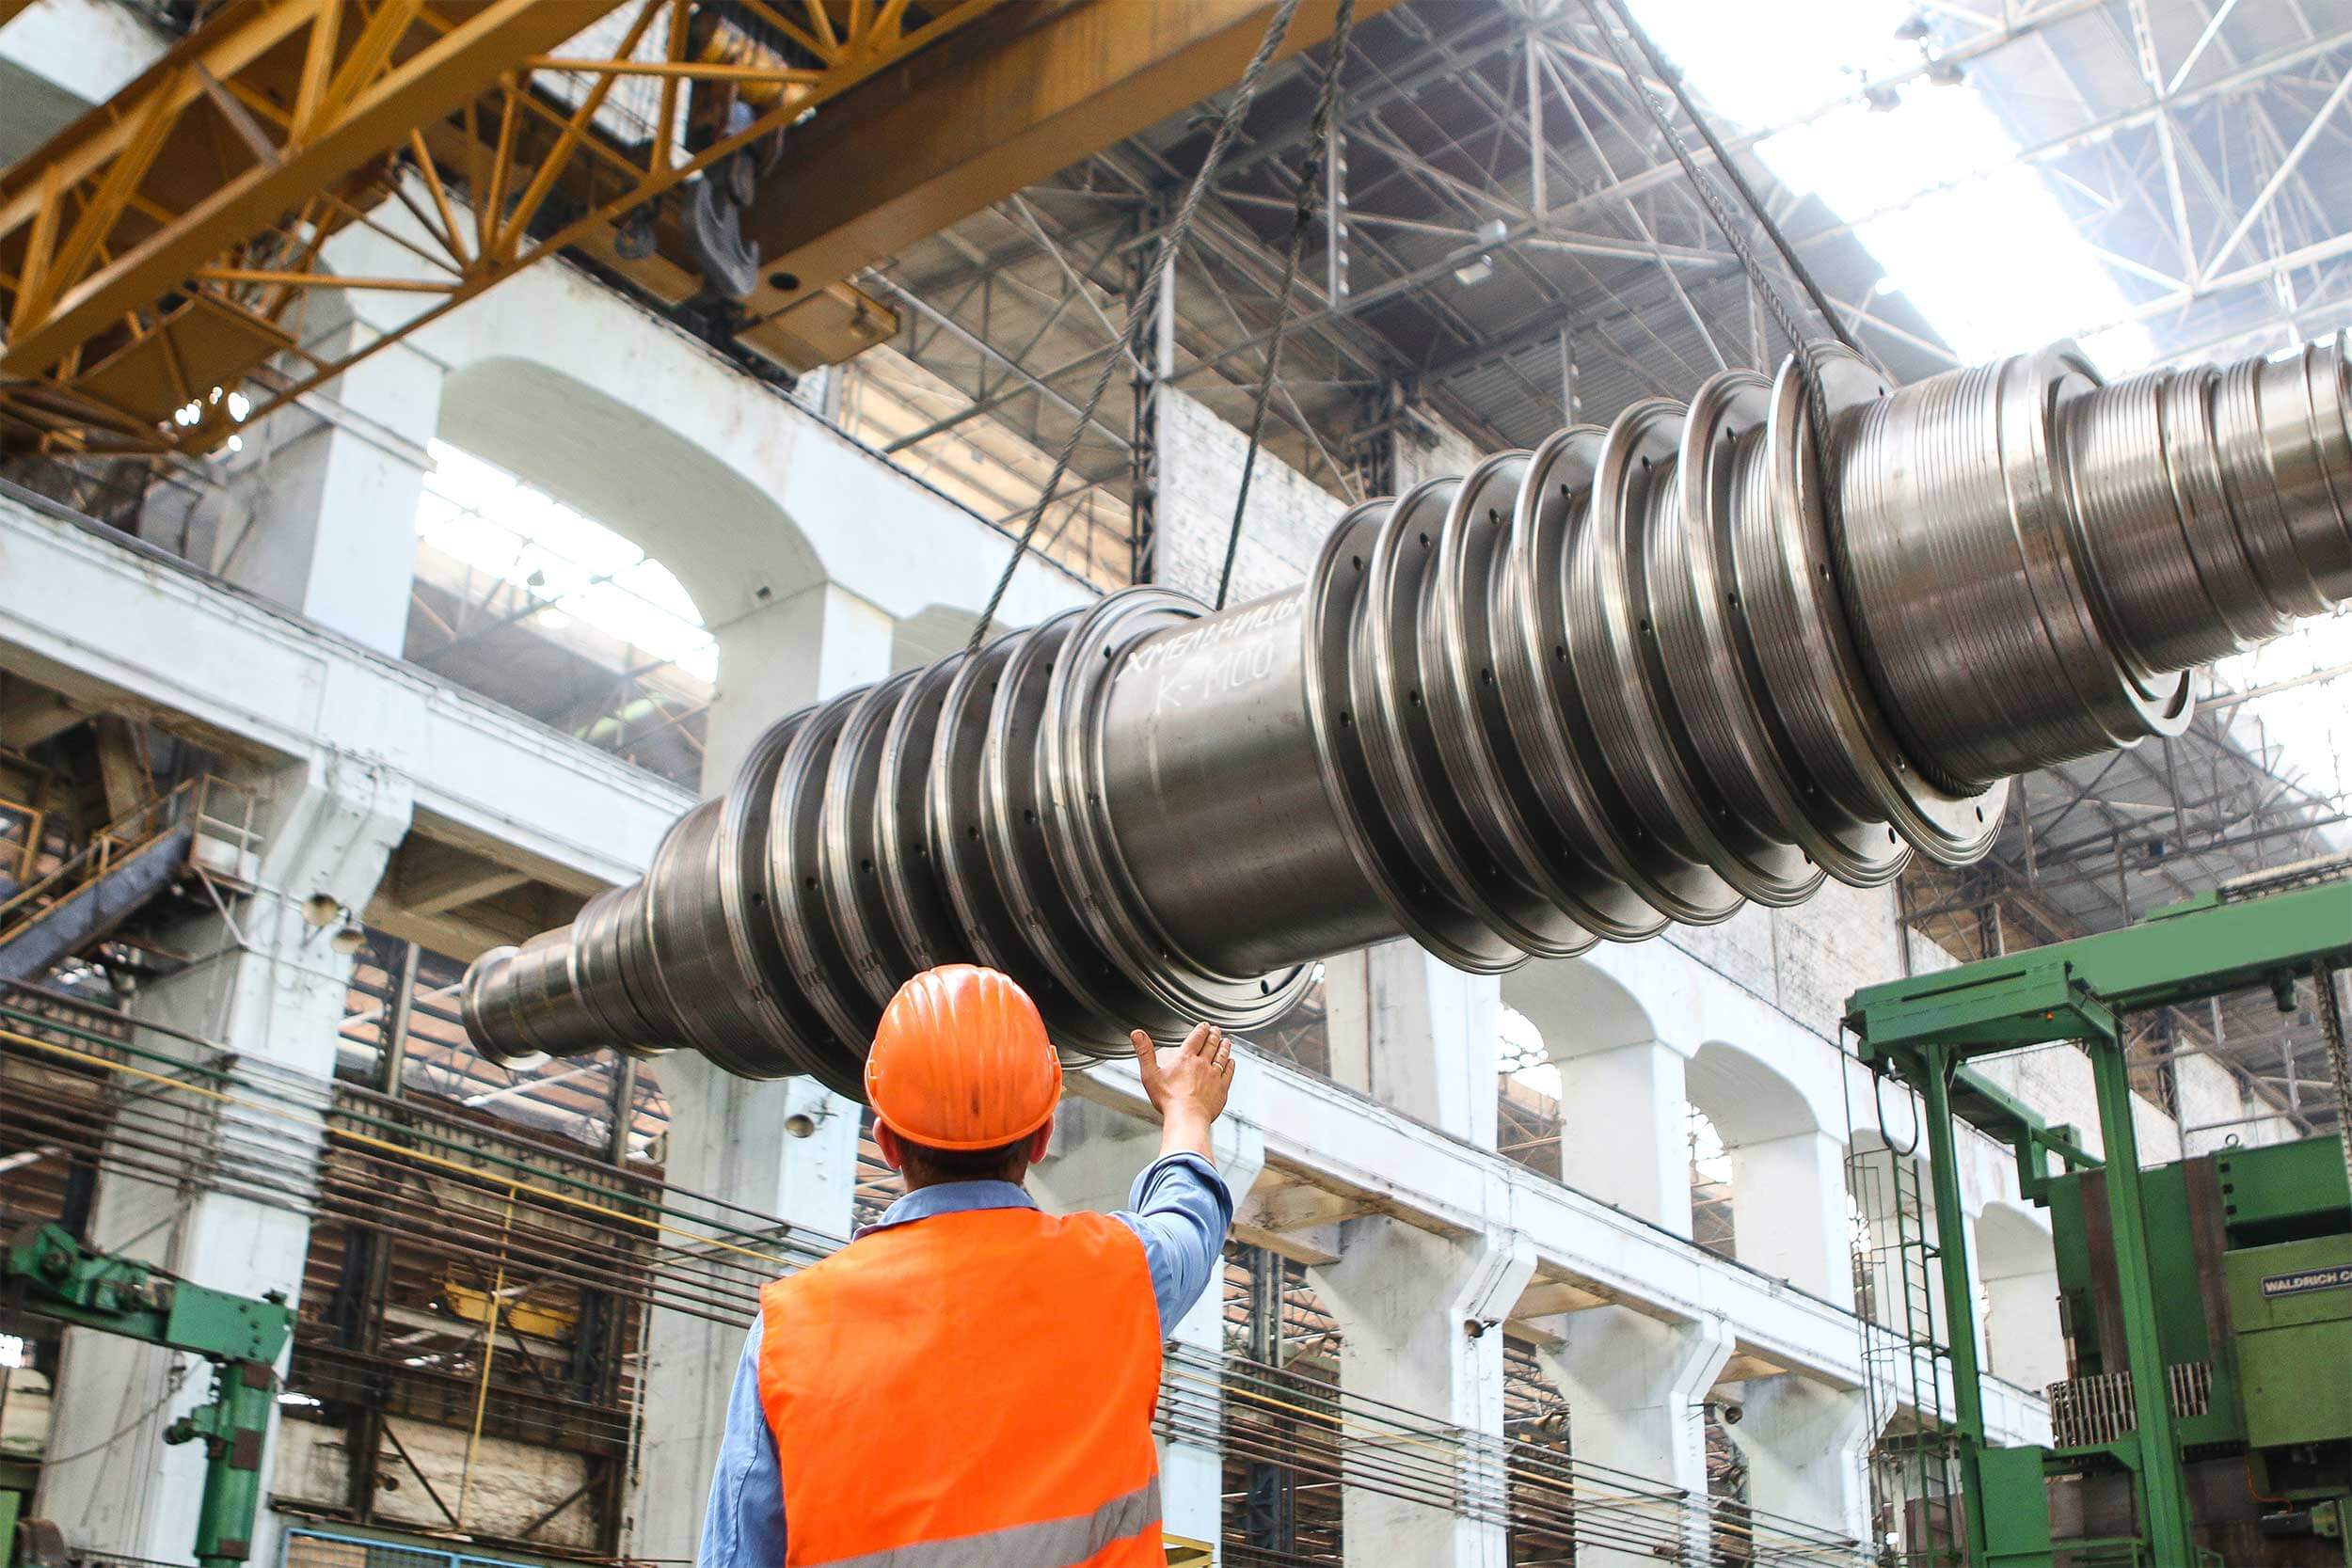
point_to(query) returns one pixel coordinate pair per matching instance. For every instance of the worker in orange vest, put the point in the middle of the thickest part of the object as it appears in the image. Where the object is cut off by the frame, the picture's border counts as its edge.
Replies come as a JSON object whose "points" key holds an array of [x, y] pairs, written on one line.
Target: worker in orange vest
{"points": [[970, 1383]]}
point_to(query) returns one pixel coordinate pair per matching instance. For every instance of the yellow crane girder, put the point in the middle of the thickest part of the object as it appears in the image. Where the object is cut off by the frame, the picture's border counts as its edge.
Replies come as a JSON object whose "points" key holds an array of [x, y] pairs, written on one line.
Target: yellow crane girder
{"points": [[161, 249], [160, 253]]}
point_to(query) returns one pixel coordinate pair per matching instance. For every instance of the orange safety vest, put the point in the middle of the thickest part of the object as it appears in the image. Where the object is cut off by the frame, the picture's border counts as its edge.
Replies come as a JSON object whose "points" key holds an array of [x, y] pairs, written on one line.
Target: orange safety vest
{"points": [[969, 1390]]}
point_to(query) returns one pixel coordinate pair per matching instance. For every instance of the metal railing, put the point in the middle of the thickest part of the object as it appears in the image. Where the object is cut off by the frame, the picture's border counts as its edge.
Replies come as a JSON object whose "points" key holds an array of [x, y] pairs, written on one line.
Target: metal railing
{"points": [[206, 802], [2086, 1412], [310, 1548], [20, 831]]}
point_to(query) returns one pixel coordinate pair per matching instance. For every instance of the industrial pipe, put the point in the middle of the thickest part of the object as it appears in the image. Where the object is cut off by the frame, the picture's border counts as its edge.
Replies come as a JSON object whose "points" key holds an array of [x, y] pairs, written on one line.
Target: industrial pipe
{"points": [[1637, 675]]}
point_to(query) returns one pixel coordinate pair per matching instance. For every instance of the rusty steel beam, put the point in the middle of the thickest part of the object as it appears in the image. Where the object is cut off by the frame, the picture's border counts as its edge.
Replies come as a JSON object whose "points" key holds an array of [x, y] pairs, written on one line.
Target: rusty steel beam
{"points": [[912, 152]]}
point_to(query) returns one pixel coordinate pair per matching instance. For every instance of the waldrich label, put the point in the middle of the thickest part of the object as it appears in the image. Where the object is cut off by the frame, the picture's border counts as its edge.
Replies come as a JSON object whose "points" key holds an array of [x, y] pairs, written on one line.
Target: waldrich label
{"points": [[2334, 1277]]}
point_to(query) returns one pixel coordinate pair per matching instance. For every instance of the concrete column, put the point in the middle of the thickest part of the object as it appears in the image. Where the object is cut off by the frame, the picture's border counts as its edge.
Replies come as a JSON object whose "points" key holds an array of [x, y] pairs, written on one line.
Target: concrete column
{"points": [[63, 59], [1634, 1387], [1096, 1154], [727, 1135], [1625, 1140], [322, 514], [1417, 1314], [1417, 1034], [1807, 1446], [271, 991], [1788, 1213], [727, 1139], [795, 649]]}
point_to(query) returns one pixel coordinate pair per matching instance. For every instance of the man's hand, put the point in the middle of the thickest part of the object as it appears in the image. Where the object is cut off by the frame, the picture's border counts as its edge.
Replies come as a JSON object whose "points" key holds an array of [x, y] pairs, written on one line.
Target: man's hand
{"points": [[1187, 1085]]}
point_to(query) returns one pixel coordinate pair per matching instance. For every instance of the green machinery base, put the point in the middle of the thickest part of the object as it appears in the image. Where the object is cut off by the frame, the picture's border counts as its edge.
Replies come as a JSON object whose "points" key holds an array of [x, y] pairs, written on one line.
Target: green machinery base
{"points": [[45, 1273], [2209, 1303]]}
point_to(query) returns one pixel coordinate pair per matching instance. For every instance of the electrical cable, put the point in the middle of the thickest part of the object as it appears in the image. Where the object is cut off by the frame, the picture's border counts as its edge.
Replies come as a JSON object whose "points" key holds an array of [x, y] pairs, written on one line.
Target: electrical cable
{"points": [[1878, 1101], [1370, 1444], [1302, 215], [1348, 1440], [300, 1116], [374, 1195], [1145, 305], [51, 1461]]}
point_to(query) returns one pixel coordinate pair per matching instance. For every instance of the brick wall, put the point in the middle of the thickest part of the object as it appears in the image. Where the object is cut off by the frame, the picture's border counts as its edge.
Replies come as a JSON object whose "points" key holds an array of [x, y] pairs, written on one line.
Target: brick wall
{"points": [[1447, 451], [1201, 475]]}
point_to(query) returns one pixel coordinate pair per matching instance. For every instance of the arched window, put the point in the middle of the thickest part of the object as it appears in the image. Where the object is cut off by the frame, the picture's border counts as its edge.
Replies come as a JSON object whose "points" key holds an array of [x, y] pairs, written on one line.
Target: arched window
{"points": [[1528, 1119], [521, 598], [1711, 1222]]}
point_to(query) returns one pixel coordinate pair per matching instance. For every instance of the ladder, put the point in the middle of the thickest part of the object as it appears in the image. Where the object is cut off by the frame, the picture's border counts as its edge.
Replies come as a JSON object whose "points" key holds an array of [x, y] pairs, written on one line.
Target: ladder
{"points": [[1896, 1261]]}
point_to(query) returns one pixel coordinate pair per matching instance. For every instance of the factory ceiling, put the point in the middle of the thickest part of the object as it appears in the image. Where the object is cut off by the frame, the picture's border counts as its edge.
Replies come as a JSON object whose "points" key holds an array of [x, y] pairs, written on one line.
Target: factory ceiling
{"points": [[2163, 180]]}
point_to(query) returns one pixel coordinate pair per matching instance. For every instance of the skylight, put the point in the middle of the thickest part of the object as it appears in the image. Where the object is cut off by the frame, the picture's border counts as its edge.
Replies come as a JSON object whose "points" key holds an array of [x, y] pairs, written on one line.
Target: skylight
{"points": [[1974, 239], [493, 522], [2307, 726]]}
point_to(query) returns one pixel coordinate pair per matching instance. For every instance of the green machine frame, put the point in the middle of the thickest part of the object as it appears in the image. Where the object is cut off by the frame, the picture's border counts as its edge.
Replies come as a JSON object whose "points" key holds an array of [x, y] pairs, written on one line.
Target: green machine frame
{"points": [[45, 1273], [1924, 1030]]}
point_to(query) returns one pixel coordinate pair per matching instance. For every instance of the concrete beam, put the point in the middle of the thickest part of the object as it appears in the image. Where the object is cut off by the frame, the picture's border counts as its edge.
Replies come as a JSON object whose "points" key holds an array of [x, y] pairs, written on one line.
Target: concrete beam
{"points": [[1545, 1298], [746, 496], [31, 714], [1293, 1217], [432, 878], [1355, 1146], [462, 903], [114, 626], [1298, 1206]]}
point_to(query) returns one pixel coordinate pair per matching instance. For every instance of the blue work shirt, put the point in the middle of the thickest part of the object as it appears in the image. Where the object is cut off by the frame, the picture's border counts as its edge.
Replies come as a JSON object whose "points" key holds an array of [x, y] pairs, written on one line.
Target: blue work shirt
{"points": [[1180, 1206]]}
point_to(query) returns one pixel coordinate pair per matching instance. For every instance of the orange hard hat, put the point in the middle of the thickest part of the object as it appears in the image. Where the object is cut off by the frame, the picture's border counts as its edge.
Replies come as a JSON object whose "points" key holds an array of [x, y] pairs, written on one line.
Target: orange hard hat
{"points": [[962, 1061]]}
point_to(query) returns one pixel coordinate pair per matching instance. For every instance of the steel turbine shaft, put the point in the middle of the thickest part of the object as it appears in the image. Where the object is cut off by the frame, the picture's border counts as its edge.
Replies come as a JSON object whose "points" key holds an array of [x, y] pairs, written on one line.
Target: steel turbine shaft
{"points": [[1637, 675]]}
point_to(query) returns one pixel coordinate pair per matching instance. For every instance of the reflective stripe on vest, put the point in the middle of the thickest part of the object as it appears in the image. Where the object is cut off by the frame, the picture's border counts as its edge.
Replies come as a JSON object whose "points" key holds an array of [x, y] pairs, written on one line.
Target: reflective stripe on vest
{"points": [[1053, 1543], [971, 1390]]}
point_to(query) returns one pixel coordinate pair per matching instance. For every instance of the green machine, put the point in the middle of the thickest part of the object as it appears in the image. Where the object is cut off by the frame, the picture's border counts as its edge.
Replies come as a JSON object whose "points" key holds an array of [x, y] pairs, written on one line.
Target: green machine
{"points": [[2208, 1303], [45, 1273]]}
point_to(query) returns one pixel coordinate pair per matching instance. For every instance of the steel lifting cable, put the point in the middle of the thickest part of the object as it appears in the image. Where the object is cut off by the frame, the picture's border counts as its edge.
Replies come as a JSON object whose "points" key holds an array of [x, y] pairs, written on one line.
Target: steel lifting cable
{"points": [[1143, 307], [1712, 196], [1708, 192], [1302, 215]]}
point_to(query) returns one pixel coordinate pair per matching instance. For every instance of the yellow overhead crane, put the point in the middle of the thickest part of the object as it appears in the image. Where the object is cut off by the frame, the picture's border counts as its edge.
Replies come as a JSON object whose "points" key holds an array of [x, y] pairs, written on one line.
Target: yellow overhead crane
{"points": [[161, 250]]}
